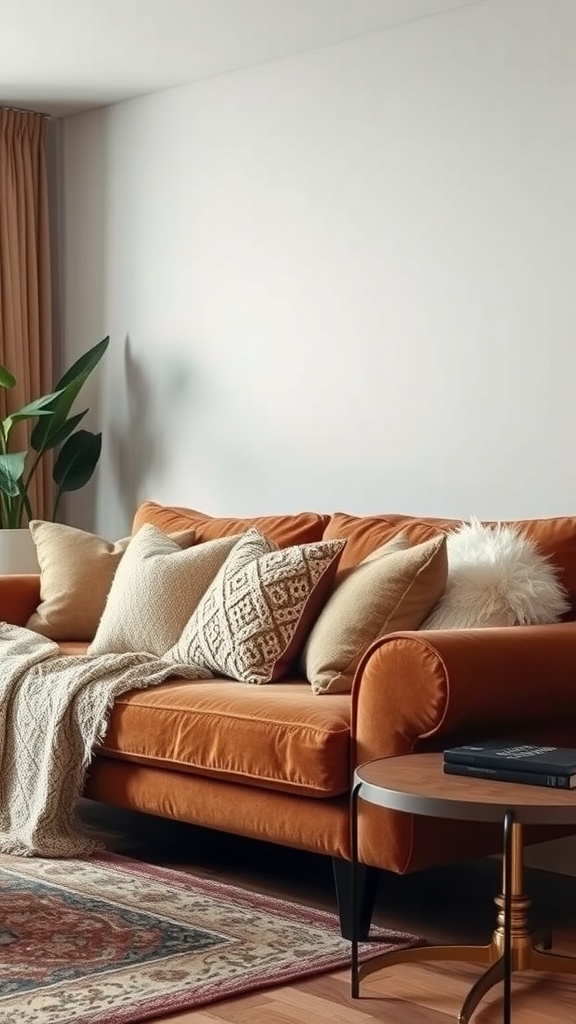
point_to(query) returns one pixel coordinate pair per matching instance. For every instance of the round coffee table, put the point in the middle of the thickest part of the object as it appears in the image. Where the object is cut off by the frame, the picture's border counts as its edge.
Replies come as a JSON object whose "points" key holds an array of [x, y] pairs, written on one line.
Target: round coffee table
{"points": [[417, 784]]}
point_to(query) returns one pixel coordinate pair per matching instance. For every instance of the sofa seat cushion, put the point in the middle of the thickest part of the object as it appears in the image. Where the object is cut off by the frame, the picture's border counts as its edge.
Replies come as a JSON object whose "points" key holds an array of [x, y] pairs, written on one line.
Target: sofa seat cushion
{"points": [[279, 736], [285, 530]]}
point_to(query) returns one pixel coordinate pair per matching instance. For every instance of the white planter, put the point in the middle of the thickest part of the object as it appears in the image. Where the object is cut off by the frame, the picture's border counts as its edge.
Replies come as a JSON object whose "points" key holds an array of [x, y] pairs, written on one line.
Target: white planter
{"points": [[17, 553]]}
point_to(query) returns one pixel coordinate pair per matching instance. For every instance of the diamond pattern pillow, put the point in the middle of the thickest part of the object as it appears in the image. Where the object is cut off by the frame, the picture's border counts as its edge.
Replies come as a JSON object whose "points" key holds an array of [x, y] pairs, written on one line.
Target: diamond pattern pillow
{"points": [[255, 616]]}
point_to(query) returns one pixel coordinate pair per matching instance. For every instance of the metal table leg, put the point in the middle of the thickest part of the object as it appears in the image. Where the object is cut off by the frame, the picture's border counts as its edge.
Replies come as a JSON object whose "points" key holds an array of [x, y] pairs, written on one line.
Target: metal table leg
{"points": [[508, 821], [355, 990]]}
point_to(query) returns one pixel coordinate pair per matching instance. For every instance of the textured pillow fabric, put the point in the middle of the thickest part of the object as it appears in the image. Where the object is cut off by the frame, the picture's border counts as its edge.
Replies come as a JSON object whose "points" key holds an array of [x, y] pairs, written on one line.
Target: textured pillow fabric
{"points": [[253, 619], [284, 530], [76, 572], [496, 577], [392, 589], [156, 587]]}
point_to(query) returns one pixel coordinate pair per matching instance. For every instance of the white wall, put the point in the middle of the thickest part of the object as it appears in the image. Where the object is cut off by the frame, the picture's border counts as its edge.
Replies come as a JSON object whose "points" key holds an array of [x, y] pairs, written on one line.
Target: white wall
{"points": [[342, 279]]}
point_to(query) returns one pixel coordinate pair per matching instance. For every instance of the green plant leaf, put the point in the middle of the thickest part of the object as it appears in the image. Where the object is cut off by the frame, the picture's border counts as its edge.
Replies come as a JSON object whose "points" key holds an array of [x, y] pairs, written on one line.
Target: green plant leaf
{"points": [[77, 460], [61, 434], [29, 412], [83, 366], [53, 426], [36, 408], [7, 380], [11, 470], [67, 390]]}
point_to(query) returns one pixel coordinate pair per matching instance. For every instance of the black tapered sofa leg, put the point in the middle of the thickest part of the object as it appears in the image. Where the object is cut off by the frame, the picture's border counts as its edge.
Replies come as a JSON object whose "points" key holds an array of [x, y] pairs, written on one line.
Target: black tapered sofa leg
{"points": [[367, 881]]}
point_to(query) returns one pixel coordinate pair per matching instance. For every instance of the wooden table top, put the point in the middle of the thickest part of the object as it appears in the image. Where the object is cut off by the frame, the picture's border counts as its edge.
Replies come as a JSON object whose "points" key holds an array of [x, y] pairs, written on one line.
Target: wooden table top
{"points": [[416, 783]]}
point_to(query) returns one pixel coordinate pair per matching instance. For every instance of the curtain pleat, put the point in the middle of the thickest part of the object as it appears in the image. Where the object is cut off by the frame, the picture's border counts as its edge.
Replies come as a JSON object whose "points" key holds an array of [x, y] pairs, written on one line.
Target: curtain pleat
{"points": [[25, 286]]}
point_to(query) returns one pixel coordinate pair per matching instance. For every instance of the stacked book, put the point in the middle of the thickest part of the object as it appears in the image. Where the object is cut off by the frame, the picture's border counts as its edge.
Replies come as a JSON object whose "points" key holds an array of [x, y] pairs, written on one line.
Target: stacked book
{"points": [[514, 762]]}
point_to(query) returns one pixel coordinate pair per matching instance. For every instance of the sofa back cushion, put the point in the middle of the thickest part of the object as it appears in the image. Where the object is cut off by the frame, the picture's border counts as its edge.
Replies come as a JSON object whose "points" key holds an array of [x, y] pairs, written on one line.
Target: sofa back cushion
{"points": [[555, 537], [285, 530]]}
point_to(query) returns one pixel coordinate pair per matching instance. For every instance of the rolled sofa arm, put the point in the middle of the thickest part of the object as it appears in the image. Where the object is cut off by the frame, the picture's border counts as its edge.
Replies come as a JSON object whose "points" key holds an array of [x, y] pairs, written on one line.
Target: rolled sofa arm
{"points": [[417, 690], [19, 598], [427, 690]]}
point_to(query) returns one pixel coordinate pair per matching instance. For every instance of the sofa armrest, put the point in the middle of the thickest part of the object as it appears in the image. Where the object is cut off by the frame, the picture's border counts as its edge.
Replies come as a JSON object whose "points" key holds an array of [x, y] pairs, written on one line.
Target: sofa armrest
{"points": [[427, 690], [423, 690], [19, 598]]}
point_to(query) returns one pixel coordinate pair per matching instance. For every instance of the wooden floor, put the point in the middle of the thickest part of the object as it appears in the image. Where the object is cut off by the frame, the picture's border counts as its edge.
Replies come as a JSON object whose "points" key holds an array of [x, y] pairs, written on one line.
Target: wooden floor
{"points": [[445, 905]]}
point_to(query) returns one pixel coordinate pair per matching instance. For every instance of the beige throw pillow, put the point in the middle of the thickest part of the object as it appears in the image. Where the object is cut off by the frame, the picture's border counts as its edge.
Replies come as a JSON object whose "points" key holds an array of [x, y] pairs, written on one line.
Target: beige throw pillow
{"points": [[253, 619], [156, 587], [389, 590], [76, 572]]}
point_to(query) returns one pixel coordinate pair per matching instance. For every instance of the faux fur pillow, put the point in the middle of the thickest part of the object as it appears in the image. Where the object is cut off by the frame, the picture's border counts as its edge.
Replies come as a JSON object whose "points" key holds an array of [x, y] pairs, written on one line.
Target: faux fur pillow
{"points": [[496, 577]]}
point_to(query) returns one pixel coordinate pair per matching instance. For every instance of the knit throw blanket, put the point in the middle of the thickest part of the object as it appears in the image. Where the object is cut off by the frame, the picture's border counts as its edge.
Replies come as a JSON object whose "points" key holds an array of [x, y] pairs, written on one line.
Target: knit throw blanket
{"points": [[53, 712]]}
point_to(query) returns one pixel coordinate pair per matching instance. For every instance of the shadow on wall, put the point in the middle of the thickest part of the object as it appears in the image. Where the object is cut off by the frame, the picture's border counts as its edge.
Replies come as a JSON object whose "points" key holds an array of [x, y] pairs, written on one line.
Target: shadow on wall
{"points": [[138, 445], [176, 427]]}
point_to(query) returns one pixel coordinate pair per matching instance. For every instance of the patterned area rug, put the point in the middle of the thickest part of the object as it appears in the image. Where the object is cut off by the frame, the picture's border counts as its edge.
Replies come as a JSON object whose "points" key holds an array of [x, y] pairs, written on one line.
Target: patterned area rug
{"points": [[108, 940]]}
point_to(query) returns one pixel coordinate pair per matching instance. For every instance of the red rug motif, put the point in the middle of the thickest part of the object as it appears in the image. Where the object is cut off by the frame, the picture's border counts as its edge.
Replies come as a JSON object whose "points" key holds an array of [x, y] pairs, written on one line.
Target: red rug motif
{"points": [[108, 940]]}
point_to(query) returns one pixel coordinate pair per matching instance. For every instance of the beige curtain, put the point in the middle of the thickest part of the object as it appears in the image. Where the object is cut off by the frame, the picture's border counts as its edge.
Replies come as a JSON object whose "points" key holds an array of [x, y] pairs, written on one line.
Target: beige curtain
{"points": [[25, 289]]}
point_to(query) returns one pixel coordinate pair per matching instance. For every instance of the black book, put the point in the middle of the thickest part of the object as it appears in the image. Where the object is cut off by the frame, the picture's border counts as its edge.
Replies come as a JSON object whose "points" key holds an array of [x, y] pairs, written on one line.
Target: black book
{"points": [[473, 771], [527, 757]]}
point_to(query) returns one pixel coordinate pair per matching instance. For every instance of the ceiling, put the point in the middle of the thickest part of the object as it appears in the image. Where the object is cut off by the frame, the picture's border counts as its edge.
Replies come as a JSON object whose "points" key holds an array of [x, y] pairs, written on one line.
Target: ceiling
{"points": [[66, 56]]}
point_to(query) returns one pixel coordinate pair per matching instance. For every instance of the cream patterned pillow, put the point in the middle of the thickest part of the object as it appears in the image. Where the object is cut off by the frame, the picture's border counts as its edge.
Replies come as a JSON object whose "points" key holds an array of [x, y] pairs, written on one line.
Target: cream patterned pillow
{"points": [[76, 572], [389, 590], [253, 619], [156, 587]]}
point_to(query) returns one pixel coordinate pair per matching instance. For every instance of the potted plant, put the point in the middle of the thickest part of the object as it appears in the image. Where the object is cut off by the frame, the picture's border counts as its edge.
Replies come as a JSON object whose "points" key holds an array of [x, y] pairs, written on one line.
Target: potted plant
{"points": [[54, 429]]}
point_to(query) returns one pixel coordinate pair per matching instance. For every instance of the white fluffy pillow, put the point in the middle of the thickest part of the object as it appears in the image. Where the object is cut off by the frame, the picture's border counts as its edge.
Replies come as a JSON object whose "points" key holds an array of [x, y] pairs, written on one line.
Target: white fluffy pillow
{"points": [[496, 577]]}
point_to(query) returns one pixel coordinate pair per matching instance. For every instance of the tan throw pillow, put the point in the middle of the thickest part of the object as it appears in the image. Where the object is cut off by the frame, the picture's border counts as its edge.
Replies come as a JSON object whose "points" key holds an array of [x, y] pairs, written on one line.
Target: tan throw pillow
{"points": [[253, 619], [388, 591], [156, 587], [76, 572]]}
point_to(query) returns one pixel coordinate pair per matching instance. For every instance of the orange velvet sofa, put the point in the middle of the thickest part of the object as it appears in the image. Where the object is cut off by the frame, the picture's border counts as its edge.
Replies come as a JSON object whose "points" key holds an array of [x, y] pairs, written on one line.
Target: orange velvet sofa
{"points": [[274, 762]]}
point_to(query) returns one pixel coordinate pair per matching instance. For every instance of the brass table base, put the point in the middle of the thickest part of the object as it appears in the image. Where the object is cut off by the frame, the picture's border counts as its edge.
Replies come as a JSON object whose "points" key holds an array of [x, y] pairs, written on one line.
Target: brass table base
{"points": [[528, 951]]}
